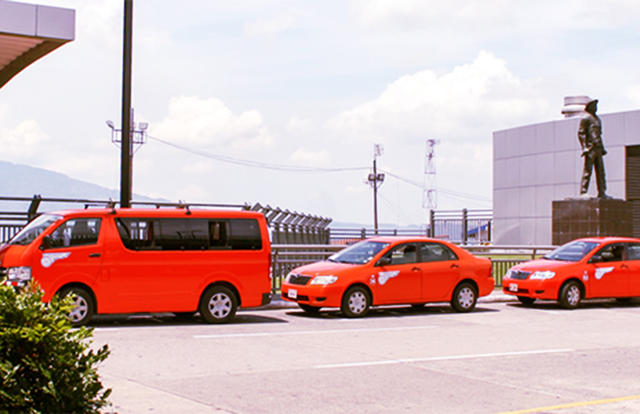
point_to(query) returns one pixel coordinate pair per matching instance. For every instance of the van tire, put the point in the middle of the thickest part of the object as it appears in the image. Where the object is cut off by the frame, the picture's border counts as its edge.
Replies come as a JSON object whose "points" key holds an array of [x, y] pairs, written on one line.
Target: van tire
{"points": [[218, 305], [84, 307]]}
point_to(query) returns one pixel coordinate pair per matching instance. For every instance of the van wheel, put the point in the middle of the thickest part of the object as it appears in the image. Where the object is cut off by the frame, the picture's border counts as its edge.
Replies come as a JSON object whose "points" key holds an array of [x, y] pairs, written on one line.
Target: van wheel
{"points": [[218, 305], [464, 298], [355, 303], [570, 295], [83, 305], [309, 308]]}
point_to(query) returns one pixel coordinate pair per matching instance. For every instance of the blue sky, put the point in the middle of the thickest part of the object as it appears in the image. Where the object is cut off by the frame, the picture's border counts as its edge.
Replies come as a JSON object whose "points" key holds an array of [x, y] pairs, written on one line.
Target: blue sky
{"points": [[317, 84]]}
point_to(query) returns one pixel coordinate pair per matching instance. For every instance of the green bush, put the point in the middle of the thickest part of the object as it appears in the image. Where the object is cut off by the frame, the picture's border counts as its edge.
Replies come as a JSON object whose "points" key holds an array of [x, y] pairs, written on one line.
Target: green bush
{"points": [[45, 364]]}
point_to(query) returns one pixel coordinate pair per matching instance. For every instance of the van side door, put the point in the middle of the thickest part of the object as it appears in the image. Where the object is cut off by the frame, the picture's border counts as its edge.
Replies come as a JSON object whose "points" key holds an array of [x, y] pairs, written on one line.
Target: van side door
{"points": [[71, 253]]}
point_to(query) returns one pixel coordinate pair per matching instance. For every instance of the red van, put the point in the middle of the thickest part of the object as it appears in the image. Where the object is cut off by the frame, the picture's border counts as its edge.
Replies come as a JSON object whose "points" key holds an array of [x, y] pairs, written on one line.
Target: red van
{"points": [[145, 260], [390, 271]]}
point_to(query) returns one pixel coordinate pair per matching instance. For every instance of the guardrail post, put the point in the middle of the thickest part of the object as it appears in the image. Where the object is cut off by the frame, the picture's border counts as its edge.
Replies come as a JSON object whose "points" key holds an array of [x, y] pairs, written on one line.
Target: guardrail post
{"points": [[465, 226], [32, 212], [432, 222]]}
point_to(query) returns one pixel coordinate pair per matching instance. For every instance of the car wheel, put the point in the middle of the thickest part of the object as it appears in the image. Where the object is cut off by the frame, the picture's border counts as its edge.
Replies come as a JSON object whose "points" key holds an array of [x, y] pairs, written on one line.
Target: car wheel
{"points": [[570, 295], [526, 301], [464, 298], [356, 302], [83, 305], [309, 308], [218, 305]]}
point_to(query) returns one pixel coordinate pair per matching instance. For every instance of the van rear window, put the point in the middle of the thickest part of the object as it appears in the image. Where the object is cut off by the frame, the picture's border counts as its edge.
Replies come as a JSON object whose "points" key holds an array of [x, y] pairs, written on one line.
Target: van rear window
{"points": [[189, 234]]}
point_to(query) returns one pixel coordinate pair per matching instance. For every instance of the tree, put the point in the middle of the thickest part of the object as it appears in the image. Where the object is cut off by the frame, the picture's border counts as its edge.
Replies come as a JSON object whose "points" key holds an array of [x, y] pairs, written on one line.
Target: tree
{"points": [[46, 365]]}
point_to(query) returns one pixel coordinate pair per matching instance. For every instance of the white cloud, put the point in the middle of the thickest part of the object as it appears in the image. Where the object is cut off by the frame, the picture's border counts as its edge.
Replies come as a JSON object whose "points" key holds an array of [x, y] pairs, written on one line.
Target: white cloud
{"points": [[22, 141], [300, 126], [269, 26], [490, 16], [310, 158], [208, 122], [465, 104]]}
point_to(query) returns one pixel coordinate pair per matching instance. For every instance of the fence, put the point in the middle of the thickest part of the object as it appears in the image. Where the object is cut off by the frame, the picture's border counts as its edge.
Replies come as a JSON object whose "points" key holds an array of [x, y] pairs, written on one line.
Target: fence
{"points": [[288, 257], [462, 226]]}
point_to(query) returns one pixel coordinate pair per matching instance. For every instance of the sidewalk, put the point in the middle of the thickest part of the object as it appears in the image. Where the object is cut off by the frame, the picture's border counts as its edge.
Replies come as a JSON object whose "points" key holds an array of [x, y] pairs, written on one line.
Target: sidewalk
{"points": [[496, 296]]}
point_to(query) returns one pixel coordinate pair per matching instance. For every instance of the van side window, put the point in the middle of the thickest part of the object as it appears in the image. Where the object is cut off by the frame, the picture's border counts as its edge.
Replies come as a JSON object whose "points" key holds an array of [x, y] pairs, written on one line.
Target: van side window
{"points": [[76, 232], [189, 234]]}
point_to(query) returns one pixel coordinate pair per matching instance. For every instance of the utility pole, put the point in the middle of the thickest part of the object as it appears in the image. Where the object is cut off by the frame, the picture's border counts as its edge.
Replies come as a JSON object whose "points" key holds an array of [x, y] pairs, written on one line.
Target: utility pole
{"points": [[126, 147], [137, 136], [375, 180]]}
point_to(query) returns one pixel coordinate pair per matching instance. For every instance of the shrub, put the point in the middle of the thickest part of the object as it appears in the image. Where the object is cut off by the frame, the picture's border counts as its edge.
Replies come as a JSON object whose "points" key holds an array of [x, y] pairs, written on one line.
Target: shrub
{"points": [[45, 364]]}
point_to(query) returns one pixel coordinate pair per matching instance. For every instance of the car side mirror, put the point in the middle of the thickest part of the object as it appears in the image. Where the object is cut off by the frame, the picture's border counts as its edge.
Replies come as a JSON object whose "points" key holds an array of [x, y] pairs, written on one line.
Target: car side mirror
{"points": [[47, 242], [384, 261]]}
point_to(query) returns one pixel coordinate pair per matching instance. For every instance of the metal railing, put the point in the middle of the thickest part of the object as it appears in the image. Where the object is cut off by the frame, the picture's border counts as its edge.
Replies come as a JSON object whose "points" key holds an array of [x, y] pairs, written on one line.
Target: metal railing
{"points": [[286, 257]]}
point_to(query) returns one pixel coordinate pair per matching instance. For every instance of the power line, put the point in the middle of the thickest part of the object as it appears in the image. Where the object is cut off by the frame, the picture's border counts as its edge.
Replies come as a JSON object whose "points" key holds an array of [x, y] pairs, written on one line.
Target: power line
{"points": [[256, 164]]}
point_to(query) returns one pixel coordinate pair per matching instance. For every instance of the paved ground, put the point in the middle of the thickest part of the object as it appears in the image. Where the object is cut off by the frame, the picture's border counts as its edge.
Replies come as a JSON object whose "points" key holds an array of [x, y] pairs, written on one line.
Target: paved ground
{"points": [[501, 358]]}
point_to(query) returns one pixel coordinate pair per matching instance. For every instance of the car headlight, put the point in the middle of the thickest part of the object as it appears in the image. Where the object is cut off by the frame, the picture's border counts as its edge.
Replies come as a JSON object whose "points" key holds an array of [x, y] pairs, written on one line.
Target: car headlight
{"points": [[324, 280], [19, 274], [542, 275]]}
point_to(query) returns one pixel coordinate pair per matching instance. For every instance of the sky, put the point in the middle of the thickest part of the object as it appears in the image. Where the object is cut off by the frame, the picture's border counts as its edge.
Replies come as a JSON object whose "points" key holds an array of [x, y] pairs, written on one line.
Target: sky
{"points": [[282, 102]]}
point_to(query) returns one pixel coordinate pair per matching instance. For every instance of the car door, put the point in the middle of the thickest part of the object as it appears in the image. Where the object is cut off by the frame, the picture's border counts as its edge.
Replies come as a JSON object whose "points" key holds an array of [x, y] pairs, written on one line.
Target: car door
{"points": [[400, 279], [632, 259], [71, 253], [440, 270], [608, 272]]}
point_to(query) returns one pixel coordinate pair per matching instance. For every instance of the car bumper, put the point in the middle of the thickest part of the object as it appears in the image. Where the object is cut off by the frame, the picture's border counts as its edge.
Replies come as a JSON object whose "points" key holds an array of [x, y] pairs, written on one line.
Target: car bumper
{"points": [[535, 289], [321, 296]]}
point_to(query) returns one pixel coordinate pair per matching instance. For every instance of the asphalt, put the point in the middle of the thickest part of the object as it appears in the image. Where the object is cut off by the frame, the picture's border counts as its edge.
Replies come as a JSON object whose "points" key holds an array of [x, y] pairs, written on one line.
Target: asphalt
{"points": [[495, 297]]}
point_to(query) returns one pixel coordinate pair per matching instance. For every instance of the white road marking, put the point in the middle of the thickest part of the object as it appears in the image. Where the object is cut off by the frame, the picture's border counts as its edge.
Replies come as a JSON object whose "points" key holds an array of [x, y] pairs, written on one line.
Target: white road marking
{"points": [[441, 358], [314, 332]]}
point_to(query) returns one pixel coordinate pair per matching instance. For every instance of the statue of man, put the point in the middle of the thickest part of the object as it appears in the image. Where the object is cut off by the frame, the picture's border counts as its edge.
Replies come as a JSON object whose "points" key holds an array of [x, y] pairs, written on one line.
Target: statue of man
{"points": [[590, 137]]}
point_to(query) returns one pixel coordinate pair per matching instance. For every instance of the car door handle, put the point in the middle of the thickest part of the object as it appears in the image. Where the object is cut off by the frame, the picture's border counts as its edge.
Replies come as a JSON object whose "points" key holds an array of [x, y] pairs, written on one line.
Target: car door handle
{"points": [[415, 269], [624, 266], [454, 266], [94, 255]]}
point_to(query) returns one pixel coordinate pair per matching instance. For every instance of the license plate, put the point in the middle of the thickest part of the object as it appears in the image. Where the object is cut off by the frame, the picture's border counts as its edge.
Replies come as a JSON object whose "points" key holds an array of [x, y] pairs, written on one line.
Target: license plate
{"points": [[292, 294], [513, 287]]}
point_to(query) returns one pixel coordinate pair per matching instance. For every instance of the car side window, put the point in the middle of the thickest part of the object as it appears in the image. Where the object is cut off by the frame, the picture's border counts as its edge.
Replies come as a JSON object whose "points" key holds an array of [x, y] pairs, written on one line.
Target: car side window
{"points": [[611, 253], [76, 232], [403, 254], [633, 251], [435, 252]]}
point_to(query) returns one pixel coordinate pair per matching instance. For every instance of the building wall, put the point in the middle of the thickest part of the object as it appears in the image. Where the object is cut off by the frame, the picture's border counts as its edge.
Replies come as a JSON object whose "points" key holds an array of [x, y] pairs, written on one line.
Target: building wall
{"points": [[536, 164]]}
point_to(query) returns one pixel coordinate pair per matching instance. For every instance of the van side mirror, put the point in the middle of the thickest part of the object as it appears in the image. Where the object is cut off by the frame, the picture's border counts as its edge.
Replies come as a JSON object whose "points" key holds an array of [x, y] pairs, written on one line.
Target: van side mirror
{"points": [[384, 261], [47, 242]]}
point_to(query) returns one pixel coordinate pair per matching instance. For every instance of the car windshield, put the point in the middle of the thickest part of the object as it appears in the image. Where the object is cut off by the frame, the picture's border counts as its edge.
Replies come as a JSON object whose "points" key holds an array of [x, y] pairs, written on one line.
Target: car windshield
{"points": [[359, 253], [572, 252], [34, 229]]}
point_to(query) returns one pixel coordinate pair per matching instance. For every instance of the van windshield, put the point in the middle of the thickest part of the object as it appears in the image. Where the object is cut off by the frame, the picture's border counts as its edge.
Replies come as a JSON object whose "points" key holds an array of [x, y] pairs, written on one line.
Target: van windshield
{"points": [[359, 253], [34, 229]]}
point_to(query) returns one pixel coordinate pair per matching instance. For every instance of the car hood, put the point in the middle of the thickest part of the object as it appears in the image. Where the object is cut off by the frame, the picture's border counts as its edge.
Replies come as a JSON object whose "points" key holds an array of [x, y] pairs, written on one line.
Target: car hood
{"points": [[543, 264], [323, 268]]}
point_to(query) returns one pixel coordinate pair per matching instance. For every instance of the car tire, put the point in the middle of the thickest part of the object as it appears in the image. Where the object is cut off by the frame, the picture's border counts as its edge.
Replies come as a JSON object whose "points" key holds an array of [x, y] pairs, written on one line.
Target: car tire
{"points": [[84, 305], [355, 302], [218, 305], [309, 308], [464, 298], [526, 301], [570, 295]]}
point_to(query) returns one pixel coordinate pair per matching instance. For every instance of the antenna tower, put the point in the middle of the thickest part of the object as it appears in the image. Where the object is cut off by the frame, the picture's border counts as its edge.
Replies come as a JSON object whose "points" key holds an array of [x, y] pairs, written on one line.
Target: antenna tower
{"points": [[429, 196]]}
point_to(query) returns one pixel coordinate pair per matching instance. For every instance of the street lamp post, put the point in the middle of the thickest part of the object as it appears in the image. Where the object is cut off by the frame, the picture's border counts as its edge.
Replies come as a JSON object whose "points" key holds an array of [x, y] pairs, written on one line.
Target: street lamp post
{"points": [[375, 180]]}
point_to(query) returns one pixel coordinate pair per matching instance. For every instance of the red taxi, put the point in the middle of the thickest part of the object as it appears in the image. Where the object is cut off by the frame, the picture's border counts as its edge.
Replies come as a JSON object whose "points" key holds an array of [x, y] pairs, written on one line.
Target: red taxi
{"points": [[598, 267], [389, 271]]}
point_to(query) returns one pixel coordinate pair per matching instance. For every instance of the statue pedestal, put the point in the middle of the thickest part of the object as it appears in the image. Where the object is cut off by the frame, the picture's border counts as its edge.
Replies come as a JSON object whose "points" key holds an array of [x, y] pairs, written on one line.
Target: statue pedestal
{"points": [[576, 218]]}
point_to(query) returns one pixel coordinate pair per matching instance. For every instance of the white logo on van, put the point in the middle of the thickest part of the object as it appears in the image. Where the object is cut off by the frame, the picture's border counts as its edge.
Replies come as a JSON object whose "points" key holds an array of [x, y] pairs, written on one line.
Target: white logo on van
{"points": [[383, 277], [602, 271], [49, 258]]}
